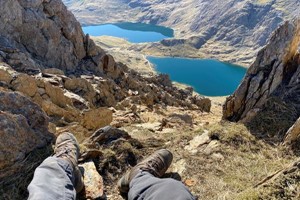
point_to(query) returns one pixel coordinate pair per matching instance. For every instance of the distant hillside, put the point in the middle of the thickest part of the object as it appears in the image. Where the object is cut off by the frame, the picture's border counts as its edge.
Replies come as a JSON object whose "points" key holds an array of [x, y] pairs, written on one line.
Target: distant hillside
{"points": [[231, 30]]}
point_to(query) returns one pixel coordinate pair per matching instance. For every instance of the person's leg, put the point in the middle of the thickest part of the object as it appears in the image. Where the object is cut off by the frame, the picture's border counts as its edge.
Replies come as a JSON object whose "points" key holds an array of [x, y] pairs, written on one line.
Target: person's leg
{"points": [[146, 186], [52, 180], [58, 177], [143, 182]]}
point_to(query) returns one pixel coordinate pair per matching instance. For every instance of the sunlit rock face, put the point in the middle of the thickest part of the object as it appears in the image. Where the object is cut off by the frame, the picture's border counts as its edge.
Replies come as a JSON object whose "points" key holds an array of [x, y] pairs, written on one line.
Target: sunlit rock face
{"points": [[268, 97], [43, 34]]}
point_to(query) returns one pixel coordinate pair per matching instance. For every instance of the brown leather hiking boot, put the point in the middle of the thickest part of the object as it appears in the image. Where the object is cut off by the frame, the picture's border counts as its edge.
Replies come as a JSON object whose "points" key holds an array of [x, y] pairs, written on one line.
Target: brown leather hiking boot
{"points": [[156, 164], [67, 148]]}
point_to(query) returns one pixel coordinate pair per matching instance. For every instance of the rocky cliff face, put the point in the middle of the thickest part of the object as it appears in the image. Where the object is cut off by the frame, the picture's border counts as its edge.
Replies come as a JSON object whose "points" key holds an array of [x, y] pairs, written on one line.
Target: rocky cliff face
{"points": [[232, 30], [42, 34], [268, 97]]}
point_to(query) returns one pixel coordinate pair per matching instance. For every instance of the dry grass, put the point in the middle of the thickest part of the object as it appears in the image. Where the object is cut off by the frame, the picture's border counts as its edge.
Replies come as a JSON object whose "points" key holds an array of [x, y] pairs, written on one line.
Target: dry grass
{"points": [[246, 162], [15, 186], [274, 120]]}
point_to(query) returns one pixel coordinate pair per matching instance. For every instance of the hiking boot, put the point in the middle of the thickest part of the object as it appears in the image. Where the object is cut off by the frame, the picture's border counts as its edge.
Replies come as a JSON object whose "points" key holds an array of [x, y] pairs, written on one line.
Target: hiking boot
{"points": [[156, 164], [67, 148]]}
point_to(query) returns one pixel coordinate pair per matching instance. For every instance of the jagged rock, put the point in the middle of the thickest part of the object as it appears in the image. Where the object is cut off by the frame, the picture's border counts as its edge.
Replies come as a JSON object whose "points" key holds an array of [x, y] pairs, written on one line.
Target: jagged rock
{"points": [[183, 117], [56, 95], [97, 118], [83, 88], [53, 71], [268, 97], [164, 80], [6, 73], [43, 34], [202, 102], [293, 133], [77, 101], [155, 126], [25, 84], [71, 79], [198, 141], [68, 114], [211, 148], [106, 135], [93, 182], [177, 121], [217, 156], [110, 66], [179, 166], [90, 47], [22, 129]]}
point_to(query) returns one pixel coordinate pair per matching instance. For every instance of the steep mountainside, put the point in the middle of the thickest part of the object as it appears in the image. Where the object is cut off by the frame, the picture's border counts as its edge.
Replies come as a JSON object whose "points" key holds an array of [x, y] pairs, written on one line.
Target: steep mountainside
{"points": [[231, 30], [268, 97]]}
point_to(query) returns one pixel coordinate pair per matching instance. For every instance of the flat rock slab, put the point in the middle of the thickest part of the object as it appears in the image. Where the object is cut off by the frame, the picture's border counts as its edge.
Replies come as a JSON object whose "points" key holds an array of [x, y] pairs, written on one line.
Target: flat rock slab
{"points": [[93, 182], [198, 141]]}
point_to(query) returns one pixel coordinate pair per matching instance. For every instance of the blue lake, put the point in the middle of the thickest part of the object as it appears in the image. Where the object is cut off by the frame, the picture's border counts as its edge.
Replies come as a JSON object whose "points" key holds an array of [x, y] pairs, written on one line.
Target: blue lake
{"points": [[207, 77], [133, 32]]}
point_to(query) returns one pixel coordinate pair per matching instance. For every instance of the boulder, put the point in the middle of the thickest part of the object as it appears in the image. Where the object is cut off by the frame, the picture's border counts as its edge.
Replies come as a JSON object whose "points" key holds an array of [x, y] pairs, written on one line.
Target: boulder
{"points": [[25, 84], [109, 64], [56, 94], [106, 135], [202, 102], [67, 114], [6, 73], [96, 118], [23, 128], [93, 182], [185, 118], [197, 142], [293, 133], [83, 88]]}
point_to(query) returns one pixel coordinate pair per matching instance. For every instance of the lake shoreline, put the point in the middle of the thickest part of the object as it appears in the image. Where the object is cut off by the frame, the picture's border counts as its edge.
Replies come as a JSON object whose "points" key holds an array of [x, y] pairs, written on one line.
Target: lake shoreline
{"points": [[129, 53], [132, 32]]}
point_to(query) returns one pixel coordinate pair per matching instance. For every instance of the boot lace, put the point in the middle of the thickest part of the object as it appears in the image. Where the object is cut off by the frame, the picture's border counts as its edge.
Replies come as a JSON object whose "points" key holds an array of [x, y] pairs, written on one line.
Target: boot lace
{"points": [[154, 166]]}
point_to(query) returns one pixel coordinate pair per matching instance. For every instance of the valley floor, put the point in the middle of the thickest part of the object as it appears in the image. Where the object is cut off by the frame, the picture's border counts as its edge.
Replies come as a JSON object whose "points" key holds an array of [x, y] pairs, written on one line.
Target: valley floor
{"points": [[134, 55]]}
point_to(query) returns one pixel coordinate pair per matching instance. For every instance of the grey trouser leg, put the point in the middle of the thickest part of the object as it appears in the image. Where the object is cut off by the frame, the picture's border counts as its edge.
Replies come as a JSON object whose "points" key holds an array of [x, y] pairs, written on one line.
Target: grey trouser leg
{"points": [[52, 181], [144, 186]]}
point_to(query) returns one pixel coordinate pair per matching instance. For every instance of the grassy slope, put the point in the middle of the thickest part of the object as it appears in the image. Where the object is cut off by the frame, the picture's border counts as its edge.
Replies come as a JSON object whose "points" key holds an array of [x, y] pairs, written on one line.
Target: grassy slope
{"points": [[229, 171]]}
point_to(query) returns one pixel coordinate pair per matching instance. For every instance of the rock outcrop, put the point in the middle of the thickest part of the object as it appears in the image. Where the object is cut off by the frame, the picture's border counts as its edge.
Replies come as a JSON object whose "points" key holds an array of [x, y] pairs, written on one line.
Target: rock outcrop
{"points": [[63, 105], [268, 97], [23, 128], [41, 34], [293, 134]]}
